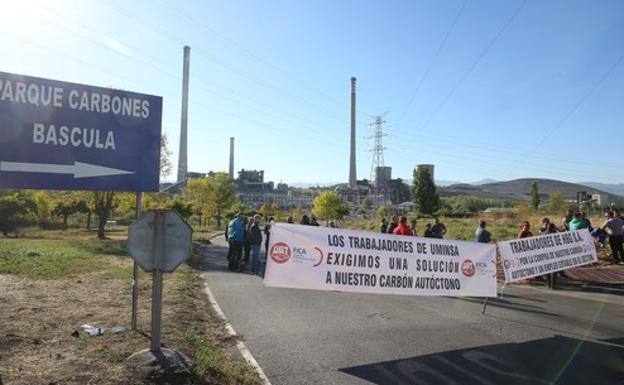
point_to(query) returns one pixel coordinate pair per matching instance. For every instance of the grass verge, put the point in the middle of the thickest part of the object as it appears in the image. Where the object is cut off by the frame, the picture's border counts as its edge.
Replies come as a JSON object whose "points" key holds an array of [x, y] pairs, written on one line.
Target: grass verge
{"points": [[48, 288]]}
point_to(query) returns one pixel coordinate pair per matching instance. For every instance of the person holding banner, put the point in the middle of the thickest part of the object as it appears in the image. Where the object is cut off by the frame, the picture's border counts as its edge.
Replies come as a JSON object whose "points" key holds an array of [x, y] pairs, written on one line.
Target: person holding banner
{"points": [[439, 230], [524, 231], [413, 227], [255, 240], [482, 235], [393, 224], [384, 226], [578, 222], [402, 228], [614, 226]]}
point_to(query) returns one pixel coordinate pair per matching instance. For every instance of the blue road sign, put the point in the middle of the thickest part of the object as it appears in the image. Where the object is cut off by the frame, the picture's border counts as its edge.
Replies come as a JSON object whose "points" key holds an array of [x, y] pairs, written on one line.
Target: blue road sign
{"points": [[67, 136]]}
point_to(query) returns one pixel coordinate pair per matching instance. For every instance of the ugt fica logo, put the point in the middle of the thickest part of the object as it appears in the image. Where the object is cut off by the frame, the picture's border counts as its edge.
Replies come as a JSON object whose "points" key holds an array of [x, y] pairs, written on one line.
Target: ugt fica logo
{"points": [[468, 268], [280, 252]]}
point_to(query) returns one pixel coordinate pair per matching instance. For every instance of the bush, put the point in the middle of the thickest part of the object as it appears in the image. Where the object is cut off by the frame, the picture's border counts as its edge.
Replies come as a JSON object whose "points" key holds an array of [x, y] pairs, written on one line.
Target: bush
{"points": [[16, 210]]}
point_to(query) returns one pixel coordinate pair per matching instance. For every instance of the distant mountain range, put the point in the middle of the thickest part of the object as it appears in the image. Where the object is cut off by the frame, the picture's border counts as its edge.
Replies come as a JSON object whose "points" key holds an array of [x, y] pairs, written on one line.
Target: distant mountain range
{"points": [[444, 183], [513, 189], [519, 189]]}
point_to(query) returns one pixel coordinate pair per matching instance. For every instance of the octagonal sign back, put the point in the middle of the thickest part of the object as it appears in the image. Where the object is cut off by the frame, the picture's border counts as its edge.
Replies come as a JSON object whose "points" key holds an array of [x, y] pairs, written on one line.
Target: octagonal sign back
{"points": [[160, 239]]}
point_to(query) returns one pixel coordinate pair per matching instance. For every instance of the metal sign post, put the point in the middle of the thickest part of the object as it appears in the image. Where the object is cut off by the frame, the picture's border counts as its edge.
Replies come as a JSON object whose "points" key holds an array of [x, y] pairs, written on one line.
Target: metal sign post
{"points": [[157, 279], [159, 241], [135, 269]]}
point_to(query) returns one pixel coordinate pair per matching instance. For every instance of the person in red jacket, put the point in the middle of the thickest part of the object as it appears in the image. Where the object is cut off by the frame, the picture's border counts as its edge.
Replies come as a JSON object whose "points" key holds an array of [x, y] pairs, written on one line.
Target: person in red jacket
{"points": [[524, 231], [402, 228]]}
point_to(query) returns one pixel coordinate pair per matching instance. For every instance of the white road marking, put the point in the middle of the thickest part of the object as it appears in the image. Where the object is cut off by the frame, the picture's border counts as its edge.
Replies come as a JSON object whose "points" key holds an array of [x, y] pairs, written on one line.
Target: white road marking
{"points": [[230, 330]]}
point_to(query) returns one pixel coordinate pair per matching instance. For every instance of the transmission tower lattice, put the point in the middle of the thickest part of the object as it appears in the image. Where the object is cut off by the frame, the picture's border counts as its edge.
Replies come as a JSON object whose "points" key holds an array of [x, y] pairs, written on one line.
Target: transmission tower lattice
{"points": [[378, 148]]}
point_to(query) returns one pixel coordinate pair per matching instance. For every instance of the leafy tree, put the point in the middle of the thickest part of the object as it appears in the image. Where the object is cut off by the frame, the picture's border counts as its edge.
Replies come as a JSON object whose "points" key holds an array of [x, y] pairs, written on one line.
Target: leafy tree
{"points": [[535, 201], [328, 205], [240, 207], [424, 192], [165, 157], [556, 202], [154, 201], [383, 212], [266, 210], [15, 208], [45, 204], [213, 195], [366, 204], [103, 203], [185, 209], [72, 204], [297, 213]]}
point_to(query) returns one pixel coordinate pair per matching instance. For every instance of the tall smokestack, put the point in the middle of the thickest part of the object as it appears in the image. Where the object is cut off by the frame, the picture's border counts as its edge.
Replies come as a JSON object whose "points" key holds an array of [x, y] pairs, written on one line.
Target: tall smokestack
{"points": [[182, 156], [231, 158], [352, 171]]}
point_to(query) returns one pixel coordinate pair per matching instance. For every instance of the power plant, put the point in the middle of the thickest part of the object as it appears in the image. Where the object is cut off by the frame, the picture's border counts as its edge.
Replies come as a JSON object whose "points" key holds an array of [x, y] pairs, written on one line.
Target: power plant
{"points": [[252, 190]]}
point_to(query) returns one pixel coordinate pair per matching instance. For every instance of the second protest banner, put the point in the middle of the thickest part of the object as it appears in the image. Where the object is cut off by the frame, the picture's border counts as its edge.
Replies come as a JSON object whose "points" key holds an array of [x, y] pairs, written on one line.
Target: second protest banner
{"points": [[321, 258], [531, 257]]}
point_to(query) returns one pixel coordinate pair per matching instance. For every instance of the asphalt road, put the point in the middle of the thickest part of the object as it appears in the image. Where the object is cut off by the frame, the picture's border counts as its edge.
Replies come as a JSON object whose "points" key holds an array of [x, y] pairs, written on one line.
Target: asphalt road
{"points": [[529, 336]]}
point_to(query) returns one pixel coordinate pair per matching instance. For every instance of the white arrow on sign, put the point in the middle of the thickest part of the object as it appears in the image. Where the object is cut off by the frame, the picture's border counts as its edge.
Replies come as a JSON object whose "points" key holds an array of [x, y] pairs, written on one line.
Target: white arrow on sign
{"points": [[78, 169]]}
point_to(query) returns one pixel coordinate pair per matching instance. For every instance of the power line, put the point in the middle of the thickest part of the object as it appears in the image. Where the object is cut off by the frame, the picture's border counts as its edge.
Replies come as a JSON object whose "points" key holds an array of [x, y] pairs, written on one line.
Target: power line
{"points": [[177, 77], [490, 148], [133, 80], [230, 67], [574, 108], [474, 64], [252, 54], [434, 59]]}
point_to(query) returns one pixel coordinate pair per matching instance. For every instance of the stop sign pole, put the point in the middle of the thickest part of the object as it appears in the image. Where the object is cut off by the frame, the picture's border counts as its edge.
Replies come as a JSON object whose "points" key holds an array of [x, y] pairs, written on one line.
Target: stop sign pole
{"points": [[157, 279], [159, 241]]}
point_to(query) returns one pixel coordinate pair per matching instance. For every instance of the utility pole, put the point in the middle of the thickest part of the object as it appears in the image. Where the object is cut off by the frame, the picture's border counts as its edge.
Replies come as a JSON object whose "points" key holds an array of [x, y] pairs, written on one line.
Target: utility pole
{"points": [[378, 148], [378, 164]]}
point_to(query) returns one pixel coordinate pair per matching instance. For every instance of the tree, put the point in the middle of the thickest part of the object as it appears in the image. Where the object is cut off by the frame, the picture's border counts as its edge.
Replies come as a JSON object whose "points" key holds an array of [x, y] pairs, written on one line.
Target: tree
{"points": [[424, 192], [556, 202], [365, 204], [266, 210], [213, 195], [70, 206], [383, 212], [15, 208], [103, 204], [535, 201], [44, 207], [185, 209], [328, 205], [165, 157]]}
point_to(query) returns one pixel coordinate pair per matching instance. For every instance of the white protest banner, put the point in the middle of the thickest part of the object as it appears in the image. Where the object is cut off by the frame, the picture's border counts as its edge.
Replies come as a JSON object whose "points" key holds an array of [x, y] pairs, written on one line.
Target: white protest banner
{"points": [[321, 258], [531, 257]]}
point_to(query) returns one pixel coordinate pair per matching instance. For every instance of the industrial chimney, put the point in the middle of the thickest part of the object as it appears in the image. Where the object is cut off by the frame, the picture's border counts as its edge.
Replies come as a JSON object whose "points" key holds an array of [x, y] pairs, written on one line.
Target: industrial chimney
{"points": [[352, 170], [183, 156], [231, 158]]}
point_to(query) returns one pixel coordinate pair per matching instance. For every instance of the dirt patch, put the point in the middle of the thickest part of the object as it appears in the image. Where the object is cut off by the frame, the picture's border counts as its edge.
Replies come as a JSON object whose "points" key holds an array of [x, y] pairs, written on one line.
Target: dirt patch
{"points": [[40, 341]]}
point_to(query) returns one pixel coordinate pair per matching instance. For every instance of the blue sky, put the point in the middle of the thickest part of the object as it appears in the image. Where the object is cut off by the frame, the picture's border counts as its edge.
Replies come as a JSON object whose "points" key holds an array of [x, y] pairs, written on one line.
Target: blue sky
{"points": [[481, 88]]}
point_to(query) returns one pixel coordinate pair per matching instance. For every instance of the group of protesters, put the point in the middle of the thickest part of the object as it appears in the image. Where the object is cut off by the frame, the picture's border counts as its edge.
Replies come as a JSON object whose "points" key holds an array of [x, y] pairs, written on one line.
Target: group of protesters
{"points": [[245, 240], [612, 229], [398, 226], [245, 236]]}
